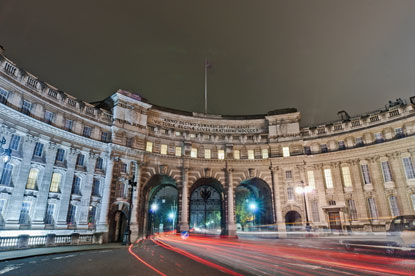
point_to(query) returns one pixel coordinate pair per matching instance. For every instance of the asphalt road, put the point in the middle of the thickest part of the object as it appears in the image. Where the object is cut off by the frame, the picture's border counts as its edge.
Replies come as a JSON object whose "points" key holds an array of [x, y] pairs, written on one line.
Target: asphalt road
{"points": [[198, 255]]}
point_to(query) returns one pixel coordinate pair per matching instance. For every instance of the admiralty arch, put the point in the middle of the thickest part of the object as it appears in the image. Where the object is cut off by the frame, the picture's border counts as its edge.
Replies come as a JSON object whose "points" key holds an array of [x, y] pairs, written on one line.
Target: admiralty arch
{"points": [[69, 166]]}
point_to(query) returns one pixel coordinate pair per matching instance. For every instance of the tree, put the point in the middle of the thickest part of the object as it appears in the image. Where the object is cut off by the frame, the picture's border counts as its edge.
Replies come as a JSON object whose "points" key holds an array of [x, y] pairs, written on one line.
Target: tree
{"points": [[243, 215]]}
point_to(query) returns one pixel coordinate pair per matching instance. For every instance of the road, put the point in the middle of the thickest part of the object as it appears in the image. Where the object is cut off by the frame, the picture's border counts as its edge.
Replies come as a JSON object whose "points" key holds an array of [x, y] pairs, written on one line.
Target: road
{"points": [[200, 255]]}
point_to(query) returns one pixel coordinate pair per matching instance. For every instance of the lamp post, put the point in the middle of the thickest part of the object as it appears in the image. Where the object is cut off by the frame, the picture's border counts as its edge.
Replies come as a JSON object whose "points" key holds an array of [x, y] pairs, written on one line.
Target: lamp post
{"points": [[4, 153], [127, 232], [304, 190], [154, 207], [253, 207]]}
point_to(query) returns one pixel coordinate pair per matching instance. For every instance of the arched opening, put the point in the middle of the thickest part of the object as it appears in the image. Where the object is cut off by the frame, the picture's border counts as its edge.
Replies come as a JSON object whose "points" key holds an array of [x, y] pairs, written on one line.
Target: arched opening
{"points": [[118, 223], [159, 205], [206, 206], [253, 206], [293, 221]]}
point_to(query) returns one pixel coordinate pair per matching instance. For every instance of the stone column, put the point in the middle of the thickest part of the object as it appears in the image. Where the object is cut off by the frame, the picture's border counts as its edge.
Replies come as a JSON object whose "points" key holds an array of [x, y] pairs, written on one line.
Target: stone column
{"points": [[44, 185], [134, 200], [230, 224], [184, 216], [66, 190], [15, 201], [277, 202], [102, 224], [86, 193]]}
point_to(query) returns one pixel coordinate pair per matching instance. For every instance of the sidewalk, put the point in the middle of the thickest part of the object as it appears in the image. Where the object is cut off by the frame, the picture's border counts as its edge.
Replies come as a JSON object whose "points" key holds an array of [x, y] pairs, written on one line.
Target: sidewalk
{"points": [[32, 252]]}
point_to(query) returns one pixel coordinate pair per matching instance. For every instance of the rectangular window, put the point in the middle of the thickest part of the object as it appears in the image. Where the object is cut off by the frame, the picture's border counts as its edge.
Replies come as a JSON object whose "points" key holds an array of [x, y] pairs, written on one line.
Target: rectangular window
{"points": [[3, 96], [92, 214], [352, 209], [373, 210], [123, 167], [207, 153], [99, 164], [80, 160], [314, 211], [163, 149], [236, 154], [149, 146], [264, 153], [56, 181], [129, 142], [76, 186], [288, 174], [307, 150], [290, 194], [49, 117], [95, 187], [393, 205], [251, 155], [324, 148], [378, 137], [31, 180], [87, 131], [193, 153], [24, 213], [178, 151], [6, 176], [192, 135], [366, 174], [311, 182], [60, 155], [285, 151], [49, 214], [178, 133], [399, 133], [409, 168], [68, 125], [387, 176], [70, 219], [413, 201], [38, 150], [105, 136], [359, 142], [14, 142], [26, 107], [347, 179], [341, 145], [328, 178], [221, 154]]}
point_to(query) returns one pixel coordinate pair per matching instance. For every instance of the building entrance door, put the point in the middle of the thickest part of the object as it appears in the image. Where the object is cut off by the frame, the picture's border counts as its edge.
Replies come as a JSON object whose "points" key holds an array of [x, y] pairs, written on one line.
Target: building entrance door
{"points": [[334, 218]]}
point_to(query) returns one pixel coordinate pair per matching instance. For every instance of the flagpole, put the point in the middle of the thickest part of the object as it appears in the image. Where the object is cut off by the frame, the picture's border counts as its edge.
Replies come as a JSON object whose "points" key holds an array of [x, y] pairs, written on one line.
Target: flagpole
{"points": [[206, 67]]}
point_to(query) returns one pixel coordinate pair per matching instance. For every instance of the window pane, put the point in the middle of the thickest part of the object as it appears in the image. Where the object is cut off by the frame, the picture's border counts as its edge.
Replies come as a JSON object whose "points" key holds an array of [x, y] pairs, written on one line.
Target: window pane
{"points": [[329, 180], [49, 214], [264, 153], [290, 193], [24, 213], [221, 154], [393, 204], [236, 154], [409, 168], [372, 208], [366, 174], [314, 210], [163, 149], [193, 153], [207, 153], [178, 151], [352, 209], [14, 142], [56, 180], [38, 150], [149, 147], [285, 151], [6, 175], [31, 180], [387, 177], [346, 177], [251, 155]]}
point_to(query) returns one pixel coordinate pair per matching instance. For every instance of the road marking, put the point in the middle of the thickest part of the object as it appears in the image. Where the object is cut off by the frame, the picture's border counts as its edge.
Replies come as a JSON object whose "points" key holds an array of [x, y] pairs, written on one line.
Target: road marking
{"points": [[63, 257], [8, 268], [104, 251]]}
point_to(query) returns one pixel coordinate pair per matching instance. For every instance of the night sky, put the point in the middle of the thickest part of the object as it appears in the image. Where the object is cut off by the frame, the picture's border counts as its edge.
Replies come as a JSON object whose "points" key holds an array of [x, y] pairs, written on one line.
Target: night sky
{"points": [[317, 56]]}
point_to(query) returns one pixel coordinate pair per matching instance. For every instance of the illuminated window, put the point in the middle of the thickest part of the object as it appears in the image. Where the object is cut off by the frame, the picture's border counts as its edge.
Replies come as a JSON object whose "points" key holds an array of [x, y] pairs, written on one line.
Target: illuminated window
{"points": [[207, 153], [178, 151], [236, 154], [264, 153], [192, 135], [178, 133], [149, 146], [31, 180], [329, 179], [193, 153], [251, 155], [54, 184], [310, 176], [221, 154], [163, 149], [365, 173], [285, 151], [393, 205], [347, 179]]}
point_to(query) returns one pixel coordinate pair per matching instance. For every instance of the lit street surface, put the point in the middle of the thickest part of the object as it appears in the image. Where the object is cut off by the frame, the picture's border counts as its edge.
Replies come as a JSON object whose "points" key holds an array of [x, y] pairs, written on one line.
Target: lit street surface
{"points": [[198, 255]]}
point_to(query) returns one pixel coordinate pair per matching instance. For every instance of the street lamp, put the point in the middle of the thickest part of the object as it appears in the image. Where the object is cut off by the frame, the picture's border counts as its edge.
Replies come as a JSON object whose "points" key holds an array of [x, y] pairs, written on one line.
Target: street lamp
{"points": [[253, 207], [4, 153], [127, 233], [153, 208], [305, 190], [172, 217]]}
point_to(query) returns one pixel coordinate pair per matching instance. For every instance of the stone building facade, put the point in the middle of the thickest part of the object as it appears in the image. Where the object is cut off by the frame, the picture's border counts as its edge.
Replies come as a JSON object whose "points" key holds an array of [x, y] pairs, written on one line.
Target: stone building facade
{"points": [[72, 163]]}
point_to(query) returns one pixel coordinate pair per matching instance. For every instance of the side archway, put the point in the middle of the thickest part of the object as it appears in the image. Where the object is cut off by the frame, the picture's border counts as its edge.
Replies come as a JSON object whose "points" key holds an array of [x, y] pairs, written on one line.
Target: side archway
{"points": [[117, 221]]}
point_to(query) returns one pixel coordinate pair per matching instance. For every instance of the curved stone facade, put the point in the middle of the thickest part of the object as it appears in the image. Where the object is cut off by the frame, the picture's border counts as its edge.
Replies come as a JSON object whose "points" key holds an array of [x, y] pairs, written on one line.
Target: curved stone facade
{"points": [[71, 162]]}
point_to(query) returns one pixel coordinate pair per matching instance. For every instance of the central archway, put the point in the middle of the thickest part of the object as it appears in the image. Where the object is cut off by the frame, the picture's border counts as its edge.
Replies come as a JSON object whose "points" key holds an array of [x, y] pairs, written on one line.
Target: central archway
{"points": [[253, 205], [206, 206]]}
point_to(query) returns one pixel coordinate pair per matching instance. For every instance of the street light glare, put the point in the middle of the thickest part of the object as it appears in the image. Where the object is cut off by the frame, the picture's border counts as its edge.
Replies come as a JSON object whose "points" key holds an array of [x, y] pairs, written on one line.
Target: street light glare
{"points": [[299, 190], [252, 206], [154, 207], [171, 216]]}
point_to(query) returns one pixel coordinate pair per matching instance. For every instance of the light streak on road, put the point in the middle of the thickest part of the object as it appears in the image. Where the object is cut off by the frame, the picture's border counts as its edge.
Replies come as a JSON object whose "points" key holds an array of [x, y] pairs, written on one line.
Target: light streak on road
{"points": [[273, 257], [144, 262]]}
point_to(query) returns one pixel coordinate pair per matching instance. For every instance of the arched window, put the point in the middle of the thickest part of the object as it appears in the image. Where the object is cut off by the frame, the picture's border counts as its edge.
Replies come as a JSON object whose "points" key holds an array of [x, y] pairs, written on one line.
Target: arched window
{"points": [[31, 180], [76, 185], [6, 176], [56, 181]]}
